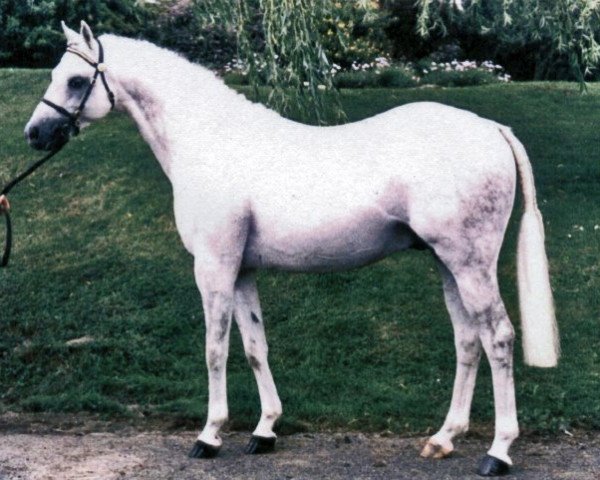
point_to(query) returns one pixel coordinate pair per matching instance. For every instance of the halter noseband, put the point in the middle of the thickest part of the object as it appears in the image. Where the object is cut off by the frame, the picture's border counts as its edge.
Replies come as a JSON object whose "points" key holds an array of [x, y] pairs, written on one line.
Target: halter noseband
{"points": [[100, 68]]}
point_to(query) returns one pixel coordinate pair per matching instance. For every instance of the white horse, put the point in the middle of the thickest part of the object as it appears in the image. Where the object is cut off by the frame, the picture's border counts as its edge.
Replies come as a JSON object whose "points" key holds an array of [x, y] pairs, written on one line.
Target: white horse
{"points": [[254, 190]]}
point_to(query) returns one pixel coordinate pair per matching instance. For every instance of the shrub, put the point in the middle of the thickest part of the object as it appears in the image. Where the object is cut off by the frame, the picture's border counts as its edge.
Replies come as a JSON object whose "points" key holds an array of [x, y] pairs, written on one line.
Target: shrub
{"points": [[235, 78], [359, 79], [392, 77], [461, 74], [459, 79], [397, 77]]}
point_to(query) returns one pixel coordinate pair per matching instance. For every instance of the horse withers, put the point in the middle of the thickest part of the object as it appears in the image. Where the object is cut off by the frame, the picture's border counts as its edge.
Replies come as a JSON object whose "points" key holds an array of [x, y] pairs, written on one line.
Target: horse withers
{"points": [[253, 190]]}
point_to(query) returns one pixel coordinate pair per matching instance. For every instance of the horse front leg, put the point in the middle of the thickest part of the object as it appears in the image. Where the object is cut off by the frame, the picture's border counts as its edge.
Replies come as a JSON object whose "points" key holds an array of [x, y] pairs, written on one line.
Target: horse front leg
{"points": [[248, 315], [216, 286]]}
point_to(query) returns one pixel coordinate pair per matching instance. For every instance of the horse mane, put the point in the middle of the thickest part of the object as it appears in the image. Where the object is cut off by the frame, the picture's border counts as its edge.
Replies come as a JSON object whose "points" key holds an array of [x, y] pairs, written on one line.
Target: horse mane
{"points": [[182, 75]]}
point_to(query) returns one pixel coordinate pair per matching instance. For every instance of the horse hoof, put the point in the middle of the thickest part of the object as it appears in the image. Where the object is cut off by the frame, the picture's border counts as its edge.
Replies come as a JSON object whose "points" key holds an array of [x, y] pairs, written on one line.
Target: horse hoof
{"points": [[203, 450], [435, 450], [260, 445], [492, 467]]}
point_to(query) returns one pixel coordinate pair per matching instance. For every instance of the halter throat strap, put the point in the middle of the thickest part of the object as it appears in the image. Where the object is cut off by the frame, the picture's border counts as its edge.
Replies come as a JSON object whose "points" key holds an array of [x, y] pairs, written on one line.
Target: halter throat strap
{"points": [[99, 69]]}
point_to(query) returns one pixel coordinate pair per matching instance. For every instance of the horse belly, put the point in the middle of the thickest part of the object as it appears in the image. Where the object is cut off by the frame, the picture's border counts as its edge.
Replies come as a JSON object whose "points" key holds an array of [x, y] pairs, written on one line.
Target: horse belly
{"points": [[331, 246]]}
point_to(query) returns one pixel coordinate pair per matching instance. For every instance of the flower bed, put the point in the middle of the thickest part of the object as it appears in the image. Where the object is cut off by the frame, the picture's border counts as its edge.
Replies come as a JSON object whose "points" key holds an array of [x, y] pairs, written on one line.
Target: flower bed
{"points": [[383, 73]]}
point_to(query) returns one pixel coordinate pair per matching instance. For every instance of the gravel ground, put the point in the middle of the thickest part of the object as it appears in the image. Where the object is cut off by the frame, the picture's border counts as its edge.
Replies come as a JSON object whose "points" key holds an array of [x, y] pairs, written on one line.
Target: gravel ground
{"points": [[83, 450]]}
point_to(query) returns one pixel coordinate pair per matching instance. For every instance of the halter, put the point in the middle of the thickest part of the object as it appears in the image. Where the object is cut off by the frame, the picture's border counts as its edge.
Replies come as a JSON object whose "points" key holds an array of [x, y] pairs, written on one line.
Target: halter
{"points": [[73, 117], [100, 68]]}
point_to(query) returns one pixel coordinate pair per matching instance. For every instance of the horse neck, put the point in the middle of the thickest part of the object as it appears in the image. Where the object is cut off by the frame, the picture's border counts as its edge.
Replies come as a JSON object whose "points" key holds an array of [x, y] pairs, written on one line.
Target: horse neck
{"points": [[175, 104]]}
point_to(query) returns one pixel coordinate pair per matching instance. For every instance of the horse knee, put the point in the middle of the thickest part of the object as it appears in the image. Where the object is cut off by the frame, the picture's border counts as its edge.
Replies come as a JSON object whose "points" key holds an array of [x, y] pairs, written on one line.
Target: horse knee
{"points": [[216, 356]]}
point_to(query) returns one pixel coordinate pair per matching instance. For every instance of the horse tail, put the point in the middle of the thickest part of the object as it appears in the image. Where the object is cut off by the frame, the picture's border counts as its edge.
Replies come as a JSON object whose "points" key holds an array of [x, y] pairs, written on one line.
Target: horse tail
{"points": [[538, 321]]}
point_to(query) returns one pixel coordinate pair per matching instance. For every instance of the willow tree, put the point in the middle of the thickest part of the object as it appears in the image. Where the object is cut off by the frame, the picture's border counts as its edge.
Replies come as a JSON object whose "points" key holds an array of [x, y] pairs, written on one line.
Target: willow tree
{"points": [[279, 43], [566, 30]]}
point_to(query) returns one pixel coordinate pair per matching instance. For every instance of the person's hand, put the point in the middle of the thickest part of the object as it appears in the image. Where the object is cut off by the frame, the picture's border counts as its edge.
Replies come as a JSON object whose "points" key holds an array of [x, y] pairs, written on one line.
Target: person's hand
{"points": [[4, 205]]}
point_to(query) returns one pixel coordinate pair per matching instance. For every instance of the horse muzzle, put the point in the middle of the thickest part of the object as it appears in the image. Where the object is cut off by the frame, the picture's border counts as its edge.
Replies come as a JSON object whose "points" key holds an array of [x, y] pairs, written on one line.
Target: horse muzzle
{"points": [[50, 134]]}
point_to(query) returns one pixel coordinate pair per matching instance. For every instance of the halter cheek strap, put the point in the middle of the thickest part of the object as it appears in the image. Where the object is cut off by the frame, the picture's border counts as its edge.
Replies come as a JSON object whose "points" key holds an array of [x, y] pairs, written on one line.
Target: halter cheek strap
{"points": [[100, 68]]}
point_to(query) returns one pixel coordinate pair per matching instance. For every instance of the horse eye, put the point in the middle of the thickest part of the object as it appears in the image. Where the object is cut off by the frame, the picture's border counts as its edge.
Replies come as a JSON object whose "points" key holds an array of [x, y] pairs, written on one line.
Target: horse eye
{"points": [[76, 83]]}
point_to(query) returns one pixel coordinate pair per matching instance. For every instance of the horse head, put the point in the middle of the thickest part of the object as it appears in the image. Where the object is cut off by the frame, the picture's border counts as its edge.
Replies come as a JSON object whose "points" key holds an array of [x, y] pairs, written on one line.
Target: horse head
{"points": [[71, 102]]}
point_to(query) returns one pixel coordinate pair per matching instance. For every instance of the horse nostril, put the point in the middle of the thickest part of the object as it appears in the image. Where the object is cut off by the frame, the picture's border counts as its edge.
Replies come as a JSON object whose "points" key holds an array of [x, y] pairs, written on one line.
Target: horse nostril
{"points": [[33, 133]]}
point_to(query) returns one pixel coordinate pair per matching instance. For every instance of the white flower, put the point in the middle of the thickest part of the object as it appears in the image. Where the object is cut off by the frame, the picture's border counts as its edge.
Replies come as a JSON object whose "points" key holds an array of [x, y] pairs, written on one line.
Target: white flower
{"points": [[381, 62], [306, 84], [321, 87]]}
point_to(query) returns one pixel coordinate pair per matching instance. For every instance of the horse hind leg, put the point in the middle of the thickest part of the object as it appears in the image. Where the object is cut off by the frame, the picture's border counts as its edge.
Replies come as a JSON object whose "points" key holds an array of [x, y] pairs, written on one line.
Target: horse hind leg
{"points": [[468, 354], [248, 315], [480, 296]]}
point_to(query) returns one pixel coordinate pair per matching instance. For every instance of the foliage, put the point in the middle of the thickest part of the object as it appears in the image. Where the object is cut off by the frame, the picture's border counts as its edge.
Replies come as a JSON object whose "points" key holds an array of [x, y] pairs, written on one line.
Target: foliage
{"points": [[459, 79], [280, 44], [30, 33], [177, 26], [396, 77], [561, 32], [355, 32], [462, 74], [383, 74], [291, 46], [393, 77], [96, 254]]}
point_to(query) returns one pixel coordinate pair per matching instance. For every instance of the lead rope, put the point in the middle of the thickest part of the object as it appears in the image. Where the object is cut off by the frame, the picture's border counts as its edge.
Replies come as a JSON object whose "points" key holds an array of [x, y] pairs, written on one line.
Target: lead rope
{"points": [[8, 187]]}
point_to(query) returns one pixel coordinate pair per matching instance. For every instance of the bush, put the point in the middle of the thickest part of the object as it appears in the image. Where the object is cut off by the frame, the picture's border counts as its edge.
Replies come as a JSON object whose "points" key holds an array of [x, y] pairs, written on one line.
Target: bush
{"points": [[459, 79], [235, 78], [360, 79], [389, 77], [461, 74], [396, 77]]}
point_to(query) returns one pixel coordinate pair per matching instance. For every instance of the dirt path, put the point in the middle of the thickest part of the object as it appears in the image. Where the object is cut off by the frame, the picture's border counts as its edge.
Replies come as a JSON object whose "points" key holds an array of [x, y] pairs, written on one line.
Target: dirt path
{"points": [[36, 451]]}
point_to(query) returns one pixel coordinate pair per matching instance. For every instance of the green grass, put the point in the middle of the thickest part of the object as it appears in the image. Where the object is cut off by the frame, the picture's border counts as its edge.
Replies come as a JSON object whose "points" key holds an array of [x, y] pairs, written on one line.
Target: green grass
{"points": [[96, 253]]}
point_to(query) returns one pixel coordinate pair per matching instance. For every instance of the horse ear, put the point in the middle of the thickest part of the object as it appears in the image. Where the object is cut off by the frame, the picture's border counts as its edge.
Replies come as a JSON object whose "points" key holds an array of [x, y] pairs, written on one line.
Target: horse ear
{"points": [[72, 35], [86, 33]]}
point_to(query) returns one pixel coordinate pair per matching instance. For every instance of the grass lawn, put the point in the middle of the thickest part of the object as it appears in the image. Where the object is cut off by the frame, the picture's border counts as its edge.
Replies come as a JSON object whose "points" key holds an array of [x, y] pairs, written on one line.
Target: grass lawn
{"points": [[96, 254]]}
